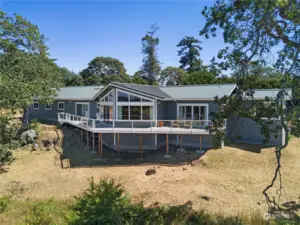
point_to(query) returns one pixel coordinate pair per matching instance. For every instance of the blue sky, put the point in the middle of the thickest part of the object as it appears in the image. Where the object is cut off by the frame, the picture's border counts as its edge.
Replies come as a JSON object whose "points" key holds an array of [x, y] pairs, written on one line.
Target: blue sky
{"points": [[78, 31]]}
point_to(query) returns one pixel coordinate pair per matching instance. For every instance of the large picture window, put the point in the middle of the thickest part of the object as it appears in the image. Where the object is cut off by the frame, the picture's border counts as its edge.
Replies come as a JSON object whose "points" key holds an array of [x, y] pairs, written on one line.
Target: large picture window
{"points": [[133, 107]]}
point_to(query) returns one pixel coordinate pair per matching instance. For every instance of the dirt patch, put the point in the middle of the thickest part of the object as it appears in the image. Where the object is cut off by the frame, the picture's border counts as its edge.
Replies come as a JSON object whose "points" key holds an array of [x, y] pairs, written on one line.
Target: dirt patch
{"points": [[229, 181]]}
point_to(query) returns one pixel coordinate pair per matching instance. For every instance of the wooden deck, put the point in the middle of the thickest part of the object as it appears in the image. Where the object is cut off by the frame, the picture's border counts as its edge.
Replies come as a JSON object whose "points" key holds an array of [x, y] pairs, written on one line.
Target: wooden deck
{"points": [[89, 125]]}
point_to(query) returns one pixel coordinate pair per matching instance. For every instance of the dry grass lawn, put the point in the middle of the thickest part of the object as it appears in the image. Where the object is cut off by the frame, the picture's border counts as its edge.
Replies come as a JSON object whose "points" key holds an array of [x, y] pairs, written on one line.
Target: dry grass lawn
{"points": [[228, 181]]}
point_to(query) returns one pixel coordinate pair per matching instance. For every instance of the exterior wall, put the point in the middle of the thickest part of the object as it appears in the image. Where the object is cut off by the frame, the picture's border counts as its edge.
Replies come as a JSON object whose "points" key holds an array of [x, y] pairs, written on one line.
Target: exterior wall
{"points": [[248, 131], [51, 115]]}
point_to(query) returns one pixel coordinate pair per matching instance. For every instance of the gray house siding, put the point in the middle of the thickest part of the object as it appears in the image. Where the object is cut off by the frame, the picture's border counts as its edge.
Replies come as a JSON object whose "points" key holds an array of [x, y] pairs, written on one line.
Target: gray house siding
{"points": [[51, 115], [246, 130]]}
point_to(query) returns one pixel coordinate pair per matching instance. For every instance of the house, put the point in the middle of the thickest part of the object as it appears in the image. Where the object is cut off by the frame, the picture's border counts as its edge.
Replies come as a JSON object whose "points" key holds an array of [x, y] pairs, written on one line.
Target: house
{"points": [[126, 114]]}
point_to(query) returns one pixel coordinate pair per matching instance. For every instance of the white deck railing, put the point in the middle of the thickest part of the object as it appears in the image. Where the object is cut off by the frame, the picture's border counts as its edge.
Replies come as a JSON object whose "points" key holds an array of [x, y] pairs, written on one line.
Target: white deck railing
{"points": [[178, 126]]}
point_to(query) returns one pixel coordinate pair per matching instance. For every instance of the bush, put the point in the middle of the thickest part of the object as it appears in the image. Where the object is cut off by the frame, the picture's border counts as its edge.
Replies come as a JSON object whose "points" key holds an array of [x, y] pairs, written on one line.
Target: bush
{"points": [[34, 125], [5, 154], [105, 203], [4, 202], [45, 213]]}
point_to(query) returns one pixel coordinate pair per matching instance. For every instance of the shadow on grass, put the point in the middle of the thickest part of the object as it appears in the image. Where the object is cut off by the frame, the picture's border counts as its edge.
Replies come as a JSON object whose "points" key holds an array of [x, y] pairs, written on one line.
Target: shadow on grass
{"points": [[76, 154], [254, 148]]}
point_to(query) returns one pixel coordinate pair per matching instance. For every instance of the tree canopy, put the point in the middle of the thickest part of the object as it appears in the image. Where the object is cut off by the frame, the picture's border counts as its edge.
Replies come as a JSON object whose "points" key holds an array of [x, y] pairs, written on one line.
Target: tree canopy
{"points": [[26, 71], [172, 76], [102, 70], [151, 65], [190, 54]]}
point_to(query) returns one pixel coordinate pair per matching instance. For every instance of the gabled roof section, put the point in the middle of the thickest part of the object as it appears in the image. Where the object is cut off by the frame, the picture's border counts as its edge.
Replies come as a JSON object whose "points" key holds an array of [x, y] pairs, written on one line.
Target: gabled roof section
{"points": [[154, 91], [271, 93], [78, 93], [198, 92]]}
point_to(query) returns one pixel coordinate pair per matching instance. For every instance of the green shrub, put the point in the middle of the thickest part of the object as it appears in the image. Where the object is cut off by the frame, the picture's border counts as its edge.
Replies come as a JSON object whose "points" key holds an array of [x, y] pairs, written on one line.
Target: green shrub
{"points": [[4, 202], [42, 213], [288, 221], [5, 154], [105, 203], [34, 125]]}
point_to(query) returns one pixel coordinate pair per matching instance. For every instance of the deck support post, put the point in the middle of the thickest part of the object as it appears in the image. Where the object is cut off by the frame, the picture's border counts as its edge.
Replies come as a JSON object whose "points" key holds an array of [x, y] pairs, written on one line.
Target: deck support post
{"points": [[87, 138], [100, 144], [93, 141], [180, 149], [141, 146], [118, 146], [81, 134], [167, 155], [200, 151]]}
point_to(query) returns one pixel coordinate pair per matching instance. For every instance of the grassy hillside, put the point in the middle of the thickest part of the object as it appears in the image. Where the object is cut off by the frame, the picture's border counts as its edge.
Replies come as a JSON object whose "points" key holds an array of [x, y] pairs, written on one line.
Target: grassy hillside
{"points": [[227, 181]]}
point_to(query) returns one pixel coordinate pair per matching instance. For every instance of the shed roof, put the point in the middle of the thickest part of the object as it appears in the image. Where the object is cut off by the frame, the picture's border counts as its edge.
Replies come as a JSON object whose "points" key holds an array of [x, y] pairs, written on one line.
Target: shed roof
{"points": [[203, 91], [78, 93], [271, 93]]}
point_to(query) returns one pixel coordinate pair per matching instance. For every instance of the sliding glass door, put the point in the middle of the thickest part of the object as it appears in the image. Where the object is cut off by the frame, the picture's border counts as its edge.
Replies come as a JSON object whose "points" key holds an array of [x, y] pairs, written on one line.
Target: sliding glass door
{"points": [[82, 109], [198, 112]]}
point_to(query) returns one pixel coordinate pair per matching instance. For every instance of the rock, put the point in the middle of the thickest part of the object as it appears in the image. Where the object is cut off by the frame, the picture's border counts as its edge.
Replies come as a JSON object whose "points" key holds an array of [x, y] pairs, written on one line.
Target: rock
{"points": [[28, 137], [184, 168], [35, 147], [150, 172], [205, 197]]}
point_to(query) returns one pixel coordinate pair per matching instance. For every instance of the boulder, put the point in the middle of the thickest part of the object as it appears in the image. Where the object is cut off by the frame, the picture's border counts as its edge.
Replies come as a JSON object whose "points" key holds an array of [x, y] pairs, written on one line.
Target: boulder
{"points": [[28, 137], [150, 172]]}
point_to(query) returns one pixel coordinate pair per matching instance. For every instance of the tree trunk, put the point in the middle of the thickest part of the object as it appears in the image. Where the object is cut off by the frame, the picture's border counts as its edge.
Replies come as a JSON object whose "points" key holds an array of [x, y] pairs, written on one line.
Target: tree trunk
{"points": [[25, 117], [25, 122]]}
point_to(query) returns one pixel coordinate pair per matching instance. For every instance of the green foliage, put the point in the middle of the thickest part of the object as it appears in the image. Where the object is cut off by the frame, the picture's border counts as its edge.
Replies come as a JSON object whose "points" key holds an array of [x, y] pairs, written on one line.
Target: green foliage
{"points": [[4, 202], [24, 64], [151, 66], [34, 124], [172, 76], [190, 54], [45, 213], [202, 76], [105, 203], [102, 70]]}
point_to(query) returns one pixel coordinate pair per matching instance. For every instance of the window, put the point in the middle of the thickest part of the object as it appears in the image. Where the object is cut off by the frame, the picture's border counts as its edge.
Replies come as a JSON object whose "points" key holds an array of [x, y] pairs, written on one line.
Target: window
{"points": [[48, 107], [147, 113], [193, 112], [133, 107], [123, 113], [36, 105], [135, 112], [122, 97], [61, 106]]}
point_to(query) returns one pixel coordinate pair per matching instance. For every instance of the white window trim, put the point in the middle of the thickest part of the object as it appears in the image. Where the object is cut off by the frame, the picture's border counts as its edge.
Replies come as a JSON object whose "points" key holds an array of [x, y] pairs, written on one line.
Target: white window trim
{"points": [[36, 102], [141, 103], [194, 104], [60, 103], [82, 103], [48, 108]]}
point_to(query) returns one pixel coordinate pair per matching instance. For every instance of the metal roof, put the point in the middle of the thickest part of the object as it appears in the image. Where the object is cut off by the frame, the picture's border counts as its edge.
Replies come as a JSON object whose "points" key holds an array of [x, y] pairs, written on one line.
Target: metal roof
{"points": [[271, 93], [203, 91], [154, 91], [78, 93]]}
